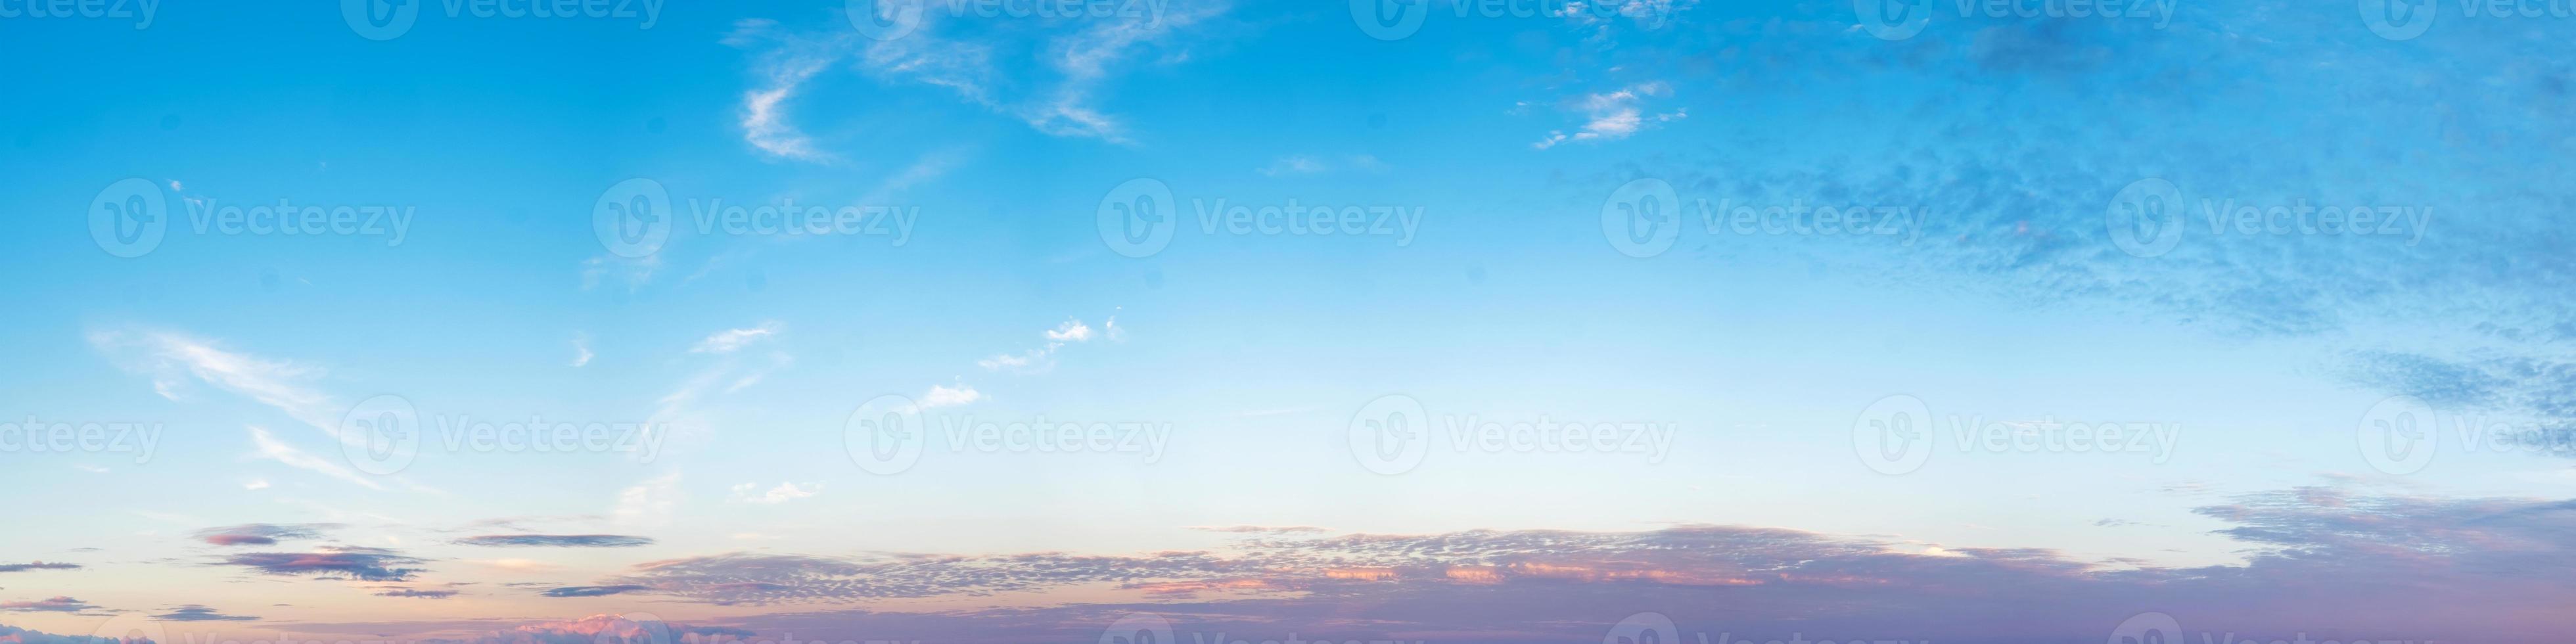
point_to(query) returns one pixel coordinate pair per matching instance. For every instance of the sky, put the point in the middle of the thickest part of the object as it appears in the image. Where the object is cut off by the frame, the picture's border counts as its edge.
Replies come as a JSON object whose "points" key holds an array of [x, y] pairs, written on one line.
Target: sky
{"points": [[1157, 321]]}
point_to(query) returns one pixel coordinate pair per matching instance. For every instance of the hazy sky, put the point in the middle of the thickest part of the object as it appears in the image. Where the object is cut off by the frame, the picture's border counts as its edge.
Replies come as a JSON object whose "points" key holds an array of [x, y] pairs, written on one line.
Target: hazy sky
{"points": [[1496, 321]]}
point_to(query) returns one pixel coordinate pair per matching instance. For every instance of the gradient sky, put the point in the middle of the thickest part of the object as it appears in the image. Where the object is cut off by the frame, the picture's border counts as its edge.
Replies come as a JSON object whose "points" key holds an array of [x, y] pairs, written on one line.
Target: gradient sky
{"points": [[1493, 154]]}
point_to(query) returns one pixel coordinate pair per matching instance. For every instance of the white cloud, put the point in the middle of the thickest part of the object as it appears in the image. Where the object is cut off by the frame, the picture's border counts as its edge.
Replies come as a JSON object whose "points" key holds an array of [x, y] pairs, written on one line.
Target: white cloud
{"points": [[1614, 115], [648, 502], [270, 448], [580, 349], [1043, 358], [783, 493], [764, 123], [1293, 164], [728, 340], [255, 484], [949, 397], [171, 358]]}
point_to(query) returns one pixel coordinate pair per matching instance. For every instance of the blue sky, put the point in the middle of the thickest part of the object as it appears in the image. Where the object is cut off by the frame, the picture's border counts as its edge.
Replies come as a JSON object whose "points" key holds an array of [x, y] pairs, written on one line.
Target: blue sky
{"points": [[1737, 360]]}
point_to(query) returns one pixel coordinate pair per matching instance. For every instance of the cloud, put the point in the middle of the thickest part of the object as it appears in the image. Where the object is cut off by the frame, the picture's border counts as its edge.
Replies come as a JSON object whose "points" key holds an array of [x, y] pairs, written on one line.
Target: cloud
{"points": [[1614, 115], [416, 593], [1262, 529], [648, 502], [1059, 96], [172, 358], [594, 591], [605, 629], [57, 604], [1040, 359], [350, 562], [38, 565], [1293, 165], [2325, 561], [196, 613], [764, 114], [263, 534], [556, 540], [17, 635], [785, 492], [729, 340], [949, 396], [272, 449], [580, 349]]}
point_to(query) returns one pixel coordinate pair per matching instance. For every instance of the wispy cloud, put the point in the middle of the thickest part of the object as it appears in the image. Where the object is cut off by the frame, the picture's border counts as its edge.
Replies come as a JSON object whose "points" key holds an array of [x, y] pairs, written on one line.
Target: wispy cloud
{"points": [[1614, 115], [786, 491], [729, 340], [556, 540]]}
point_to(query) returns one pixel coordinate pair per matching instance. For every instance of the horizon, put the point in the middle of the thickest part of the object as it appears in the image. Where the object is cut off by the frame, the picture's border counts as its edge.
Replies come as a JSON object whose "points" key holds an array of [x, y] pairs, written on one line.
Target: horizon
{"points": [[1160, 321]]}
